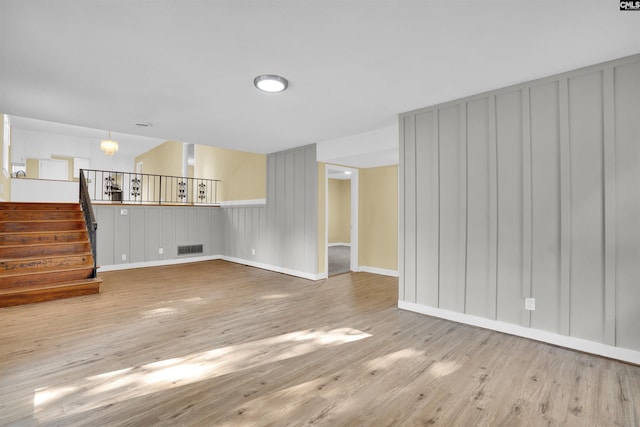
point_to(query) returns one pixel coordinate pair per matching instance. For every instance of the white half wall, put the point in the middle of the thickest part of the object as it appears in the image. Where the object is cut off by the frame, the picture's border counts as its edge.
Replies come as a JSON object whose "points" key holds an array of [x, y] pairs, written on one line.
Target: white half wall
{"points": [[43, 190]]}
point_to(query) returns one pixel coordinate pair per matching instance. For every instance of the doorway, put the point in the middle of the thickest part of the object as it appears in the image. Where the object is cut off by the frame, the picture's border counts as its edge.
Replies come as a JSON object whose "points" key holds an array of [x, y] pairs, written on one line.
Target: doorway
{"points": [[341, 220]]}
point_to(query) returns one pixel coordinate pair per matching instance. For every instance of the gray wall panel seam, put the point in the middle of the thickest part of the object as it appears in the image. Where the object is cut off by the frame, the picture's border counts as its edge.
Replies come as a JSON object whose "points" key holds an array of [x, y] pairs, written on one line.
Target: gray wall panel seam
{"points": [[609, 204], [565, 208]]}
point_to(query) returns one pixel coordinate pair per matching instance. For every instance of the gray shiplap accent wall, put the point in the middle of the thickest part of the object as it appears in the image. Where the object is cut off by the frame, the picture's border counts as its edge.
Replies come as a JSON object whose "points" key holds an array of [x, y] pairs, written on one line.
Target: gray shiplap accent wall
{"points": [[284, 232], [531, 190], [145, 229]]}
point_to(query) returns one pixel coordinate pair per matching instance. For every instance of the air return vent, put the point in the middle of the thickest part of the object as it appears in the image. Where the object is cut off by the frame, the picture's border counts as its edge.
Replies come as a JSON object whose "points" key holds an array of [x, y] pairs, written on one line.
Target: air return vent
{"points": [[190, 249]]}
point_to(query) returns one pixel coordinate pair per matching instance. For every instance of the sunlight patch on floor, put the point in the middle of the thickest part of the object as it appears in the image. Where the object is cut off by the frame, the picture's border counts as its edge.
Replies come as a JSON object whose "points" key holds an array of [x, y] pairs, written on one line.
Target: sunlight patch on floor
{"points": [[123, 384], [442, 369], [388, 360]]}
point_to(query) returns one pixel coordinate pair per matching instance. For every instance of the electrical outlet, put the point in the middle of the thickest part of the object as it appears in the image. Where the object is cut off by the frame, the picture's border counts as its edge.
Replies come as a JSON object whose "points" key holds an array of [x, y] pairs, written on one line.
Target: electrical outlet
{"points": [[124, 212], [160, 251], [124, 257], [530, 304], [253, 251]]}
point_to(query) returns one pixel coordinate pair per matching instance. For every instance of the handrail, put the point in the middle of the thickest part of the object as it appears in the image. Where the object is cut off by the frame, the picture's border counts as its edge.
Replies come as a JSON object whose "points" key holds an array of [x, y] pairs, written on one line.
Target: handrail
{"points": [[143, 188], [89, 219]]}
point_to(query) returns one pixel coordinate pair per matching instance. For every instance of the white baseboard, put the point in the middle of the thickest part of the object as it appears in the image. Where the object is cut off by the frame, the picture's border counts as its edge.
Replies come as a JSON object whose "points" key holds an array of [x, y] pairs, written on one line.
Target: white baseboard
{"points": [[376, 270], [277, 269], [592, 347], [339, 244], [249, 202], [302, 274], [157, 263]]}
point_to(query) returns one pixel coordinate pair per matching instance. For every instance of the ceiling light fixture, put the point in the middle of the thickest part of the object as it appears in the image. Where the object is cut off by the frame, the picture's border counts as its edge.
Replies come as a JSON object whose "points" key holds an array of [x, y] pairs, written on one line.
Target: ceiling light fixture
{"points": [[109, 146], [271, 83], [347, 172]]}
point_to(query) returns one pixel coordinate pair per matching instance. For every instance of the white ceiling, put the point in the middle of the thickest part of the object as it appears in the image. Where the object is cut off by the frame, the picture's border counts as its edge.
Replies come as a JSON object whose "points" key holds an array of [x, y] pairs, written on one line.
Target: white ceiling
{"points": [[188, 66]]}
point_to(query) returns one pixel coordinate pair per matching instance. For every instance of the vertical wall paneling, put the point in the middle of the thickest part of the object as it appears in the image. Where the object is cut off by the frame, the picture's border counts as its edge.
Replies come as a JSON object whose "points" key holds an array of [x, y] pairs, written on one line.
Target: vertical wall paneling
{"points": [[627, 181], [402, 179], [510, 299], [526, 194], [105, 244], [284, 232], [545, 205], [137, 218], [529, 191], [122, 239], [493, 210], [609, 168], [410, 209], [311, 213], [298, 244], [427, 204], [153, 234], [169, 234], [479, 259], [452, 209], [587, 202]]}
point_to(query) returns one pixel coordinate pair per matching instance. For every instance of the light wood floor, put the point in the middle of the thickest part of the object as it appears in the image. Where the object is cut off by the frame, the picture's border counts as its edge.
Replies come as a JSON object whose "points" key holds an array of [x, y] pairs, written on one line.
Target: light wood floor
{"points": [[216, 343]]}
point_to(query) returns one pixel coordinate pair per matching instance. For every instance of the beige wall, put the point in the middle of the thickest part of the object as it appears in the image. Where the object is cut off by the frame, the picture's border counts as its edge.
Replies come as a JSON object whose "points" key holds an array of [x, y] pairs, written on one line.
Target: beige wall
{"points": [[5, 180], [339, 211], [33, 168], [243, 174], [165, 159], [378, 217]]}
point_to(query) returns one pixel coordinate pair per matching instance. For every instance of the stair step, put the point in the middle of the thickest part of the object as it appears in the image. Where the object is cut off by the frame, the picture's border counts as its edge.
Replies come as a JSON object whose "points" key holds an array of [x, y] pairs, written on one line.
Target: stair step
{"points": [[40, 215], [21, 279], [30, 265], [38, 206], [48, 249], [55, 225], [26, 238], [45, 253], [40, 293]]}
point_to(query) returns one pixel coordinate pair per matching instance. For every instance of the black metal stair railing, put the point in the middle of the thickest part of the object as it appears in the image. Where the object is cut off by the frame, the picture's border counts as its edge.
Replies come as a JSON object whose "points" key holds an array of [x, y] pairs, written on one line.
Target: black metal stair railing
{"points": [[89, 219], [141, 188]]}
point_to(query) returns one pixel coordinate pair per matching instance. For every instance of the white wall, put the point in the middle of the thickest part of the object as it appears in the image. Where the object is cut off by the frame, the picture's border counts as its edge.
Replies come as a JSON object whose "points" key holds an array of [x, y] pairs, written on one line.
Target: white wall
{"points": [[42, 145], [363, 150], [36, 190]]}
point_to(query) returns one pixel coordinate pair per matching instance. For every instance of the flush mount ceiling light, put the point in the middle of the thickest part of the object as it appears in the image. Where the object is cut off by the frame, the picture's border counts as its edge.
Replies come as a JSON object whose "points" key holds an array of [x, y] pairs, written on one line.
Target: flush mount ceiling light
{"points": [[108, 146], [271, 83]]}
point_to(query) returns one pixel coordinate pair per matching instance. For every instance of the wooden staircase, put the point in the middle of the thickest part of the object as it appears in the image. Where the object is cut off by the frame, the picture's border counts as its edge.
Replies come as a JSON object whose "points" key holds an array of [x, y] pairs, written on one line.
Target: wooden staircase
{"points": [[45, 253]]}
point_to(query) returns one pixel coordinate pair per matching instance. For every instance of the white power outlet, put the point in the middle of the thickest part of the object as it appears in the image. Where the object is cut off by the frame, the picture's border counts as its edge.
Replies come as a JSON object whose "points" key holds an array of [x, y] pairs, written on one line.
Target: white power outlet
{"points": [[253, 251], [124, 212], [124, 257], [160, 251], [530, 304]]}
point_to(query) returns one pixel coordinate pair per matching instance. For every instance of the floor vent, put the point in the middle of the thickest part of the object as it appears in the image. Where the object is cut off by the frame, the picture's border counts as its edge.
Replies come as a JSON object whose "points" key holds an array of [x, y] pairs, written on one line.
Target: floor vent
{"points": [[190, 249]]}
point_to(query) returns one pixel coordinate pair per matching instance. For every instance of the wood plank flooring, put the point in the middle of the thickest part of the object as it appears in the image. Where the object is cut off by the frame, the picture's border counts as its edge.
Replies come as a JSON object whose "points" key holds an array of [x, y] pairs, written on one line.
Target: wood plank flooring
{"points": [[220, 344]]}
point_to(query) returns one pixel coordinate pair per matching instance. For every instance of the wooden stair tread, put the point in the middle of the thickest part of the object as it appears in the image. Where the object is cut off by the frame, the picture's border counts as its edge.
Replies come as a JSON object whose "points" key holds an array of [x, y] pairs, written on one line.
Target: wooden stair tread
{"points": [[37, 258], [42, 264], [42, 245], [39, 287], [38, 206], [42, 220], [10, 274]]}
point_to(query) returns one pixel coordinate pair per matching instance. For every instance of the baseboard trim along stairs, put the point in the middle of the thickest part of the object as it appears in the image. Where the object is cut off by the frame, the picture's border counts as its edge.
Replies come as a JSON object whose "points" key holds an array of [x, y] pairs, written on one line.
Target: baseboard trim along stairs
{"points": [[45, 253]]}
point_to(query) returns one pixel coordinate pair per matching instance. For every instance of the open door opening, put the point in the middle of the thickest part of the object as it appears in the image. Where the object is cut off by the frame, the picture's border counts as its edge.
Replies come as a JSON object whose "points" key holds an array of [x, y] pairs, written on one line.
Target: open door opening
{"points": [[341, 242]]}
